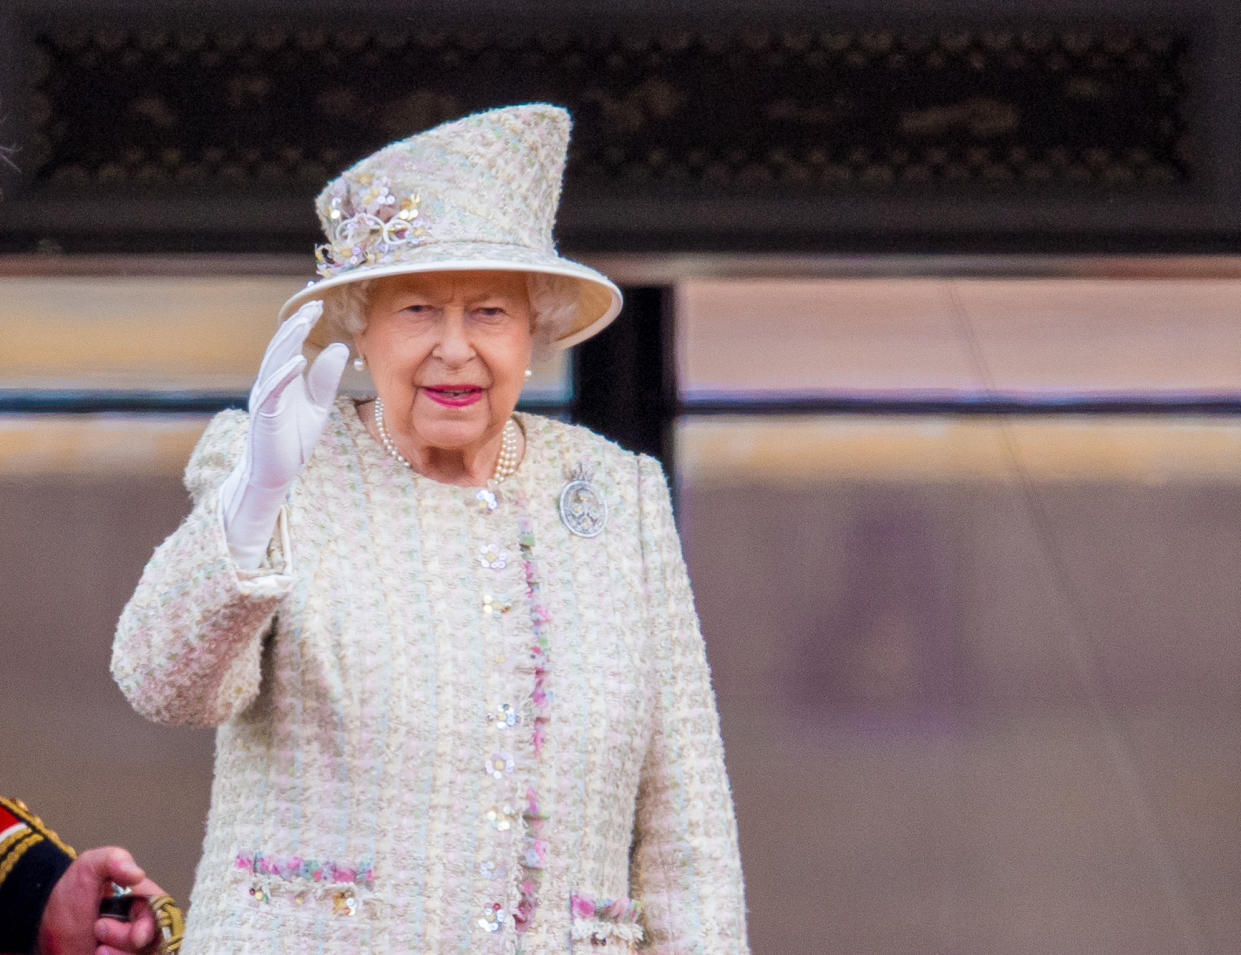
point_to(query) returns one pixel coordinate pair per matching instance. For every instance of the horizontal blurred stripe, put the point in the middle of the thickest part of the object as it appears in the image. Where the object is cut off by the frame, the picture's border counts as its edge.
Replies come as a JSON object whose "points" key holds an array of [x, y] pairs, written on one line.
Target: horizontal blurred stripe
{"points": [[737, 450], [807, 450]]}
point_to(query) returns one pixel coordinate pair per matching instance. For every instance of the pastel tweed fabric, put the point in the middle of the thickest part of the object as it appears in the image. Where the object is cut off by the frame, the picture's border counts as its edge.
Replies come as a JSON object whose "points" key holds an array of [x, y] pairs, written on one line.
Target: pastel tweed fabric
{"points": [[447, 725], [493, 177]]}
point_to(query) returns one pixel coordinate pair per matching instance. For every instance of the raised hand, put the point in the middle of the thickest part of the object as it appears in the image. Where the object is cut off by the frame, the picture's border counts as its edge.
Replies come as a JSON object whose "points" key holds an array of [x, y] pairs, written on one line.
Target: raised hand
{"points": [[288, 410]]}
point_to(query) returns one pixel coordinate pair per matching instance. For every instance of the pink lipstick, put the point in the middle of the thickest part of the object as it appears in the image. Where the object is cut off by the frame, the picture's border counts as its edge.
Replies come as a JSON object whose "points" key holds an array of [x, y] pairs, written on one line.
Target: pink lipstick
{"points": [[454, 396]]}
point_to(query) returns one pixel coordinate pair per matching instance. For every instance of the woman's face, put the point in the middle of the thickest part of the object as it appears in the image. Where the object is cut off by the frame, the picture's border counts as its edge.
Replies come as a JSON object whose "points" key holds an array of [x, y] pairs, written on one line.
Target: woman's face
{"points": [[448, 353]]}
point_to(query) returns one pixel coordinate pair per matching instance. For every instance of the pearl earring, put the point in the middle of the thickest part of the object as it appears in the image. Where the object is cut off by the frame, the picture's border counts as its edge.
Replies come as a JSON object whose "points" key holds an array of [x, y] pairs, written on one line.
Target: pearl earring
{"points": [[359, 363], [529, 373]]}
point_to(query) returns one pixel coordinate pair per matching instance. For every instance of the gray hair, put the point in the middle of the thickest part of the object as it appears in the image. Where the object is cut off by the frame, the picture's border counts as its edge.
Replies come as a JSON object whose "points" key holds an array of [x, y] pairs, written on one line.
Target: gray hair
{"points": [[553, 302]]}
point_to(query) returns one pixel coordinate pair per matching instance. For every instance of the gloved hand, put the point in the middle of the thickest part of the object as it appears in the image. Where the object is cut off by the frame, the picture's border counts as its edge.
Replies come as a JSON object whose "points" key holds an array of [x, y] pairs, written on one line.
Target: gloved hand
{"points": [[287, 415]]}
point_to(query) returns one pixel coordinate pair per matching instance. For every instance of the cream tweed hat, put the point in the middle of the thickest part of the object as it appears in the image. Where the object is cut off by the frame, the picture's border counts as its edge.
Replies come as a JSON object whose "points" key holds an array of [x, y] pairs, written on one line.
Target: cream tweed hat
{"points": [[475, 193]]}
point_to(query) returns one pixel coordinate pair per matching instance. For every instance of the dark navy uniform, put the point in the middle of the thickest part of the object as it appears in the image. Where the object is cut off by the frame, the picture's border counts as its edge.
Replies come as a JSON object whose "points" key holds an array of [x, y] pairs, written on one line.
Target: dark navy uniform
{"points": [[32, 860]]}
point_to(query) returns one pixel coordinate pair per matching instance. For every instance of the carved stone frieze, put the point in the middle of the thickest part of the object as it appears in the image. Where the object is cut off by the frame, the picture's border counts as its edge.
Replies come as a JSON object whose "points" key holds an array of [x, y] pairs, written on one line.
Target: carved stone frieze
{"points": [[820, 132], [803, 111]]}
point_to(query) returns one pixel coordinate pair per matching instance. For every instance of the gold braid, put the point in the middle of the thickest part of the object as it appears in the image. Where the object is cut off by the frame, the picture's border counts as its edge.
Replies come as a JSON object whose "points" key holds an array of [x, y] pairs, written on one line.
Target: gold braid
{"points": [[170, 923]]}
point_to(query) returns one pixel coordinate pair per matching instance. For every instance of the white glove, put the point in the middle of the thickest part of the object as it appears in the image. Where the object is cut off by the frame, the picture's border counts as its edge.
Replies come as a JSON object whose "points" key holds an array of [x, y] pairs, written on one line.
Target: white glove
{"points": [[287, 415]]}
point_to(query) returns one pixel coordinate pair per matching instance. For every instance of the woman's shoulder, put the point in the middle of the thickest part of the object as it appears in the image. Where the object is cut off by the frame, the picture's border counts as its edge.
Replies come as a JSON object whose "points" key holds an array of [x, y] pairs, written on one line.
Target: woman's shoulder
{"points": [[223, 442], [217, 449], [563, 450], [570, 444], [226, 428]]}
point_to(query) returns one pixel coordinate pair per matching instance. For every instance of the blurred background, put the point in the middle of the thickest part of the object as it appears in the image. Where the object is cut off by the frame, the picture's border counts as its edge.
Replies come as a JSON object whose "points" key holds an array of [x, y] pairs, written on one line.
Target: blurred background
{"points": [[932, 317]]}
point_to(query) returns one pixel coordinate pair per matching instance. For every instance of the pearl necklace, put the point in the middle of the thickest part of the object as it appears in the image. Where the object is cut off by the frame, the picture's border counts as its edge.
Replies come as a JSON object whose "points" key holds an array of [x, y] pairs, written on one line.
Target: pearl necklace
{"points": [[506, 463]]}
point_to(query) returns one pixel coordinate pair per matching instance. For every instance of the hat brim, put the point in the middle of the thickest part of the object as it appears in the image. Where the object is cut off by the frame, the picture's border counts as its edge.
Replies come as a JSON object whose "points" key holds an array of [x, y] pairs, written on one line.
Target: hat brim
{"points": [[598, 299]]}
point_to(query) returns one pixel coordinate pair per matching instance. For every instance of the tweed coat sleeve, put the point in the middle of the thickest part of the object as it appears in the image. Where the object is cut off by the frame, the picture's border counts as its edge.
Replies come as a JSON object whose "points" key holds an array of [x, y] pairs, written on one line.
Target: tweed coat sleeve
{"points": [[686, 867], [189, 642]]}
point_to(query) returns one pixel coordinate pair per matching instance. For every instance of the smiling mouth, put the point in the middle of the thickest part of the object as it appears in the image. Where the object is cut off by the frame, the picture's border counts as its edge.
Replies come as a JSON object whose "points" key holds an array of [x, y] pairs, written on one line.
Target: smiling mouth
{"points": [[456, 396], [460, 392]]}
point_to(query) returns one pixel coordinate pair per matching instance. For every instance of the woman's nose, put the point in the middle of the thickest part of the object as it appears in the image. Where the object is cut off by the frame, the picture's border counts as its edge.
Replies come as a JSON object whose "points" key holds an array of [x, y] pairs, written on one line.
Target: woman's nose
{"points": [[454, 347]]}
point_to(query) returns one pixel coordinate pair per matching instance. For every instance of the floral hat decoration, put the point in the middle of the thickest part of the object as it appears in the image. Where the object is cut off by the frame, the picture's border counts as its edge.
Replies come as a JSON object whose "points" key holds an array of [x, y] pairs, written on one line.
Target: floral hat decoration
{"points": [[476, 193]]}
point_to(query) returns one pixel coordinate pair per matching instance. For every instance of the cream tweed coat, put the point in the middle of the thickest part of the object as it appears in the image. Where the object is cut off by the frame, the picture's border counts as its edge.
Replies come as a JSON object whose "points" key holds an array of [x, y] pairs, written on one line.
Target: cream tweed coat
{"points": [[446, 724]]}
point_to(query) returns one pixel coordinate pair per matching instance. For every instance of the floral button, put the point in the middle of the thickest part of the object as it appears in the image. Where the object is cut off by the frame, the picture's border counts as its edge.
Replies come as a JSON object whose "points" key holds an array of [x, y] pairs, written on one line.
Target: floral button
{"points": [[499, 765], [492, 557], [493, 917], [503, 716], [489, 870]]}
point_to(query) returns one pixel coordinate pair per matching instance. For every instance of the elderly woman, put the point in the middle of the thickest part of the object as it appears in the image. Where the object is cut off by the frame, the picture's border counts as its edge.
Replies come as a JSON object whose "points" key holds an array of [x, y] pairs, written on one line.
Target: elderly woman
{"points": [[462, 697]]}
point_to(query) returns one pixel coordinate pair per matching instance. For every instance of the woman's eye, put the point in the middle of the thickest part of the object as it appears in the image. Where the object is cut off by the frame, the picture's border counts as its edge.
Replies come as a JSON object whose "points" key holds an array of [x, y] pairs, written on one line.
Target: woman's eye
{"points": [[491, 312]]}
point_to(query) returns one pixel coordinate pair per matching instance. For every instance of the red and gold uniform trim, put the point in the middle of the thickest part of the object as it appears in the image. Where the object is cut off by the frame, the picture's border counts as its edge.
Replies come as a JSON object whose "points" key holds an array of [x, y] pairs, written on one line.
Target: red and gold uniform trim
{"points": [[32, 859], [20, 831]]}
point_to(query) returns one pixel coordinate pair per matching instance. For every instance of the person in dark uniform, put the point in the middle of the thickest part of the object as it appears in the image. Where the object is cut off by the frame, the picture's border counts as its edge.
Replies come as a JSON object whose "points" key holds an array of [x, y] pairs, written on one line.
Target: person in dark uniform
{"points": [[56, 902]]}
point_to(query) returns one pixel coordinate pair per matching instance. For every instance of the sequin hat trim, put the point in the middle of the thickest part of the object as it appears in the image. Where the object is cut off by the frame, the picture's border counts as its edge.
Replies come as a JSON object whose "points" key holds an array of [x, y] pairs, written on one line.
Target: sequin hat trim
{"points": [[475, 193]]}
